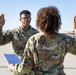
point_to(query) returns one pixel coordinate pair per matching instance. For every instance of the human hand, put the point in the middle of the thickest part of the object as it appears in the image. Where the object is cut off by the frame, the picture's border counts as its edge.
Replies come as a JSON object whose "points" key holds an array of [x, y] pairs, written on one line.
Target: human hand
{"points": [[74, 25], [2, 20], [10, 66]]}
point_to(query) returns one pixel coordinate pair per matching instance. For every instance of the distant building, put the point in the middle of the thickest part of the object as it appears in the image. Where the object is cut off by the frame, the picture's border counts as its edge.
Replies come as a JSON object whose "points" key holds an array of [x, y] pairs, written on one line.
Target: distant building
{"points": [[68, 33]]}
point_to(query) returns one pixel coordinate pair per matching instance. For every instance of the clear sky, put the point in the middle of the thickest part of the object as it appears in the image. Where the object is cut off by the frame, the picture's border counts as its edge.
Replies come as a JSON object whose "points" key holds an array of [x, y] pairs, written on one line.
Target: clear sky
{"points": [[12, 8]]}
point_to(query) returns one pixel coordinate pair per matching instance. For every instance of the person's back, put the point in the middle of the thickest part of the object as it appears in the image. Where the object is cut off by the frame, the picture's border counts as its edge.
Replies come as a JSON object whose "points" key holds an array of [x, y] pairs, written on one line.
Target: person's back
{"points": [[49, 53]]}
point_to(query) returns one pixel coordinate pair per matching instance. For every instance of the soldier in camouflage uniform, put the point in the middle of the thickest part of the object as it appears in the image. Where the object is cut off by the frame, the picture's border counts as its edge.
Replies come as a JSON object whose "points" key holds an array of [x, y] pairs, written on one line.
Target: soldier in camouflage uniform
{"points": [[20, 35], [44, 52]]}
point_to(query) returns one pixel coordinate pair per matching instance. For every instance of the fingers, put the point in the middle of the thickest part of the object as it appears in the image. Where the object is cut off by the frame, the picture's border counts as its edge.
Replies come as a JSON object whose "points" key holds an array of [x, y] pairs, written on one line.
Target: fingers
{"points": [[75, 18], [10, 66], [2, 20], [1, 16], [74, 25]]}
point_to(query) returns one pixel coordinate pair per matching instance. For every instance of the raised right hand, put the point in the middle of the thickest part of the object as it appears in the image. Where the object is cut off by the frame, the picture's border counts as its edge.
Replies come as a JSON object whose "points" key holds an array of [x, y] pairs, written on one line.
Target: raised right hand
{"points": [[74, 25], [2, 20]]}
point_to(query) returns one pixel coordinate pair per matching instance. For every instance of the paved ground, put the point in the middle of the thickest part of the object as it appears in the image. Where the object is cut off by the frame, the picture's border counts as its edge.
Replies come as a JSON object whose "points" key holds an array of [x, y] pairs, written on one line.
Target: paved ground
{"points": [[69, 62]]}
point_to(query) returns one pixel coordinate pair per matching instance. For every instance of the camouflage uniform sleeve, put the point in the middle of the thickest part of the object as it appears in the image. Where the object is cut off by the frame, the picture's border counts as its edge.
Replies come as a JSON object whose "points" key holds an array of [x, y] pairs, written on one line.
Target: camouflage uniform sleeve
{"points": [[71, 45], [74, 36], [27, 62], [5, 37]]}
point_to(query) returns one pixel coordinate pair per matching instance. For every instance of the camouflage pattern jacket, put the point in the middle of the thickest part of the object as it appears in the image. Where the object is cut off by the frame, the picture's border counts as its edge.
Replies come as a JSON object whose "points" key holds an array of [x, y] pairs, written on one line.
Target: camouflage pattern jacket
{"points": [[43, 56], [18, 36]]}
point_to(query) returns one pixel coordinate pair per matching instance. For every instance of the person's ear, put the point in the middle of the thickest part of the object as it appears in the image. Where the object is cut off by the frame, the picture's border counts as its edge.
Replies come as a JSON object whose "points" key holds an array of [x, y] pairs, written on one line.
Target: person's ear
{"points": [[30, 19]]}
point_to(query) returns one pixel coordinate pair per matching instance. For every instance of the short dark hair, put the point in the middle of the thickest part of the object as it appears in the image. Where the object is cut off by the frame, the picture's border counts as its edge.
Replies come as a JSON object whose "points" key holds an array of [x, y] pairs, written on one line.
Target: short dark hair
{"points": [[48, 20], [25, 12]]}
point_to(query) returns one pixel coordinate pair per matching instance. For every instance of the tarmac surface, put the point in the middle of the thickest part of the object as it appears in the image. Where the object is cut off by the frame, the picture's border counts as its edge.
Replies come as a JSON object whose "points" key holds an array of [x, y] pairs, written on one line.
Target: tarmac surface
{"points": [[69, 62]]}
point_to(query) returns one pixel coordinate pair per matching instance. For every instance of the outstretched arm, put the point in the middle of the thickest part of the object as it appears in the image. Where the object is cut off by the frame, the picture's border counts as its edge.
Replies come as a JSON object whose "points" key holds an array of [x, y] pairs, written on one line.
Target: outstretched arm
{"points": [[26, 64]]}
